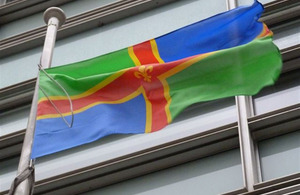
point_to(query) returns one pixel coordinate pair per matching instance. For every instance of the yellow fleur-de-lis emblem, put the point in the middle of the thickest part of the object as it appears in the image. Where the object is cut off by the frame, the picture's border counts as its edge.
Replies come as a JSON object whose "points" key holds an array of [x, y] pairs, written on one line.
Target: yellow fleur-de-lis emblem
{"points": [[143, 73]]}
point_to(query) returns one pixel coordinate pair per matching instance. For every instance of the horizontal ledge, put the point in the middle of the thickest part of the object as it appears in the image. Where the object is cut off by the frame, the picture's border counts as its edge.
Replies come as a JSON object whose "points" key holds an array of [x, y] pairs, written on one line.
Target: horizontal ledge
{"points": [[17, 95], [281, 180], [12, 139], [235, 192], [283, 185], [116, 11], [280, 16], [11, 151], [276, 123], [277, 186], [13, 6], [290, 53], [11, 144], [274, 6], [22, 8]]}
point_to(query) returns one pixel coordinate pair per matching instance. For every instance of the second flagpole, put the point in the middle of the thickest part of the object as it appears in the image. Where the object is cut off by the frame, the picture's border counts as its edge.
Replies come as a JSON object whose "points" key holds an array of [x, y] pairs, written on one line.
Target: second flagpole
{"points": [[247, 146]]}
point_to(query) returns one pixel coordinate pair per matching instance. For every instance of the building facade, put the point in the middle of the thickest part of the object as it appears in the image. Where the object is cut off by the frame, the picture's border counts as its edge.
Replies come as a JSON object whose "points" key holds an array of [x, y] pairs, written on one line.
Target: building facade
{"points": [[201, 152]]}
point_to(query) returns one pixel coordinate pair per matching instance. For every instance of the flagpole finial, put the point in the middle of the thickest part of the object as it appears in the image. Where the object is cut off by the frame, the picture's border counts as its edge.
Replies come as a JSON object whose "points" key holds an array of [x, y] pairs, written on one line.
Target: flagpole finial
{"points": [[55, 12]]}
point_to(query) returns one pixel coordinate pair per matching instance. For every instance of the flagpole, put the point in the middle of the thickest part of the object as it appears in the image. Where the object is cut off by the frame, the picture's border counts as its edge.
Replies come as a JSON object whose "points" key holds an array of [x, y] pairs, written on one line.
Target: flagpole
{"points": [[54, 17], [248, 149]]}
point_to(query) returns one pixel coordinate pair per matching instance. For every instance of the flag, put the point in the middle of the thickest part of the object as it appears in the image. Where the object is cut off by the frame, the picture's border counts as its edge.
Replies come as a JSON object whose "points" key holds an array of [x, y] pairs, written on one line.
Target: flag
{"points": [[142, 88]]}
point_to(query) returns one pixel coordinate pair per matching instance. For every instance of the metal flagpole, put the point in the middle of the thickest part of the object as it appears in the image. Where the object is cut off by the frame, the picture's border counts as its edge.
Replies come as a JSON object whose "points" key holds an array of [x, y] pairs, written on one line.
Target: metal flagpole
{"points": [[54, 17], [247, 147]]}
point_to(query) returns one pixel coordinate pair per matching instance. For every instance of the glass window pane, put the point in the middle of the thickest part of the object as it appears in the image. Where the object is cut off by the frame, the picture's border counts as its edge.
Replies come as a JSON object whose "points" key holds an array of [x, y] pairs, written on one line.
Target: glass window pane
{"points": [[14, 120], [8, 172], [280, 156], [212, 175], [19, 67]]}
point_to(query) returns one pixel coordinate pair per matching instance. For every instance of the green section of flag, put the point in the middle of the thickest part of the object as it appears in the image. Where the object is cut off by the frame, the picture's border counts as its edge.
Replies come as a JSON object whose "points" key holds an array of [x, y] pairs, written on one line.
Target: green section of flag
{"points": [[241, 70], [78, 77]]}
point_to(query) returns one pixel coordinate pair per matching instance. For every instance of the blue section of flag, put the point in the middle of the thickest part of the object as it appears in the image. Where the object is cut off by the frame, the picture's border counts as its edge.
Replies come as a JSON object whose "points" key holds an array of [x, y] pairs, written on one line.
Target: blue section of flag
{"points": [[229, 29], [54, 135]]}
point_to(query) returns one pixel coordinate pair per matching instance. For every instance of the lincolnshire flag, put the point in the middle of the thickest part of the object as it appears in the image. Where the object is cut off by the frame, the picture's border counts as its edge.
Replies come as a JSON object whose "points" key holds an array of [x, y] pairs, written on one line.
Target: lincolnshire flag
{"points": [[142, 88]]}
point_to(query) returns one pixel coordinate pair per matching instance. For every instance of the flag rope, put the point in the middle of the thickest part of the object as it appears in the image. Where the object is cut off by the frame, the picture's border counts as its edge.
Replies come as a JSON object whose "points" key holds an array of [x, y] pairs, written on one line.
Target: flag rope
{"points": [[64, 90]]}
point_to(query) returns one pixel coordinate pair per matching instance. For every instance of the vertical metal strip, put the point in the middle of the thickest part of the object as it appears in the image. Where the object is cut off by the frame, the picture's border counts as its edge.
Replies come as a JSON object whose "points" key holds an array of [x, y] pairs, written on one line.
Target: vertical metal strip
{"points": [[247, 148], [54, 17]]}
